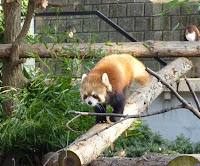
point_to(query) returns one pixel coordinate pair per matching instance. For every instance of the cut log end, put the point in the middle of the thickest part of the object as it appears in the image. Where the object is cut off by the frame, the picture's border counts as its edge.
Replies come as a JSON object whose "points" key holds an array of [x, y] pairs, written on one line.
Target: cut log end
{"points": [[71, 159], [184, 160]]}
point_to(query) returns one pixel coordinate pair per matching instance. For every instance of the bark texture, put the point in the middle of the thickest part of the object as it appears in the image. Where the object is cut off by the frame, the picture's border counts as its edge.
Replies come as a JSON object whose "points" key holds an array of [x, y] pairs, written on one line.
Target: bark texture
{"points": [[151, 159], [12, 75]]}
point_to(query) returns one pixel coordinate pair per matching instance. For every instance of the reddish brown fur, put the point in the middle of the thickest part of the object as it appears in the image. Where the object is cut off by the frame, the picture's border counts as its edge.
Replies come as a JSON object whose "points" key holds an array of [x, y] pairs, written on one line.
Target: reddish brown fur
{"points": [[189, 29], [121, 70], [91, 82]]}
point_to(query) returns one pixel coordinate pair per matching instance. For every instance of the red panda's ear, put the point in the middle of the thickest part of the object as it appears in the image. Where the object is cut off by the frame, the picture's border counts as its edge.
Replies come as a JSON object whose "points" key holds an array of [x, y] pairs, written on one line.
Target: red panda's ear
{"points": [[83, 77], [106, 81]]}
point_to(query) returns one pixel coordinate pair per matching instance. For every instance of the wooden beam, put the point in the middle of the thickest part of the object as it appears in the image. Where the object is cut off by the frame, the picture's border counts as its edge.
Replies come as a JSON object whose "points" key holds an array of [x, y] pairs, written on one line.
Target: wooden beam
{"points": [[146, 49], [87, 148]]}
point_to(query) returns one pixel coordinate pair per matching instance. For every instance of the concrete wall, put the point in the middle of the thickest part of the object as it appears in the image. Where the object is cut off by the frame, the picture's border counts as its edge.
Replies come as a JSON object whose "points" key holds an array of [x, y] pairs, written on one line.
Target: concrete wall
{"points": [[138, 18], [176, 122]]}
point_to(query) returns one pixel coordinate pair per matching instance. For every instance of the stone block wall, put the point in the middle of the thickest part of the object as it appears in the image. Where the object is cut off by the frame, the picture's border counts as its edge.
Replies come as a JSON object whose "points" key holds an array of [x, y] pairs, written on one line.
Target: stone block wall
{"points": [[137, 17]]}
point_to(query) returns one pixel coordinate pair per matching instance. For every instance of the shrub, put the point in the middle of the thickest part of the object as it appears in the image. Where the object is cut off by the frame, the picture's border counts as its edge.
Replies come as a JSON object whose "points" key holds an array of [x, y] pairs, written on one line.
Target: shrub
{"points": [[38, 123], [142, 140]]}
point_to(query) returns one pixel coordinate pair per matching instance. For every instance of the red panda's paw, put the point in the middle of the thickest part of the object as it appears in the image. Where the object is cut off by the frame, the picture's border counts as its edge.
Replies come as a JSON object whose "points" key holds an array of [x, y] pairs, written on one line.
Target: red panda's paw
{"points": [[114, 119], [101, 119]]}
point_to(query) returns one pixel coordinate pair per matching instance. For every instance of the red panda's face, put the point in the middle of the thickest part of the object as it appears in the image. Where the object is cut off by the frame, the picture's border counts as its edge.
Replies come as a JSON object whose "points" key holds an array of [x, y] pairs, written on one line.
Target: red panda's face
{"points": [[93, 98], [93, 91]]}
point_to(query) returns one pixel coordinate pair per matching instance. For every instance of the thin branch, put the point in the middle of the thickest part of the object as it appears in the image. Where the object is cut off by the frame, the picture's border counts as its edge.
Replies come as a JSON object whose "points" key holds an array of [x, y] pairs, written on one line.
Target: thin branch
{"points": [[18, 62], [121, 120], [67, 124], [60, 150], [68, 137], [20, 38], [181, 99], [193, 94], [127, 116]]}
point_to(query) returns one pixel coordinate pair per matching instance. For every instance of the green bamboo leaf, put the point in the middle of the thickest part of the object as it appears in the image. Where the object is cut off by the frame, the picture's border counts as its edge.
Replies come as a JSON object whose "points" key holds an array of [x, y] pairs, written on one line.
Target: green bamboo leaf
{"points": [[26, 74], [1, 63], [180, 3], [145, 45], [188, 10], [169, 5], [175, 27], [107, 43], [118, 44]]}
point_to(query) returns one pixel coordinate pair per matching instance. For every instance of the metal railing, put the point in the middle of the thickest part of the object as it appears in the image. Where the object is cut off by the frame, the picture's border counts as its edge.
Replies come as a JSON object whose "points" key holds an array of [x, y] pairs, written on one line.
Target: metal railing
{"points": [[103, 17]]}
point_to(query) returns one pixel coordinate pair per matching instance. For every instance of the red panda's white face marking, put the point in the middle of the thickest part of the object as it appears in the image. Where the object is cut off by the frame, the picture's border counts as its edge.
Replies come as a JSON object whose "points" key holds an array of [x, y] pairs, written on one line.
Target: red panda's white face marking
{"points": [[94, 90], [191, 36], [93, 99]]}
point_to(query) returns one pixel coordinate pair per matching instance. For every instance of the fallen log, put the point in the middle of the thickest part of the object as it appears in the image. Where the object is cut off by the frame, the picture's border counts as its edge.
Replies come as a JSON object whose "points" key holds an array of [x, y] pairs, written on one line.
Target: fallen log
{"points": [[152, 159], [146, 49], [90, 145]]}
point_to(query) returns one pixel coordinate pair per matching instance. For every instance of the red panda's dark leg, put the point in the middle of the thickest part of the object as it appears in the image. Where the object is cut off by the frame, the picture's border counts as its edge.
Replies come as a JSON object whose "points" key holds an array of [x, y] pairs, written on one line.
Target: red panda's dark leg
{"points": [[100, 108], [118, 103]]}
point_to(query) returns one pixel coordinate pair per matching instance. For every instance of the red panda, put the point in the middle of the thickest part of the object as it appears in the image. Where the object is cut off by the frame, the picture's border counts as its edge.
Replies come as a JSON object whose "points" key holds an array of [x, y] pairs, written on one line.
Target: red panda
{"points": [[108, 80], [191, 33]]}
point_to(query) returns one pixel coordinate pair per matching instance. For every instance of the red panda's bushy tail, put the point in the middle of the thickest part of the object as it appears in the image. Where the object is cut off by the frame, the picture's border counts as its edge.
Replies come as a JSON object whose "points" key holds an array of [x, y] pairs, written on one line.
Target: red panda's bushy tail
{"points": [[141, 76]]}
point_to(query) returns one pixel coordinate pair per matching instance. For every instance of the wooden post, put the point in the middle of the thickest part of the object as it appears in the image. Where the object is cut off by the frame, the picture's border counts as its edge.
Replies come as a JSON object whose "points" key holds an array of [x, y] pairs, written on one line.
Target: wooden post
{"points": [[84, 151]]}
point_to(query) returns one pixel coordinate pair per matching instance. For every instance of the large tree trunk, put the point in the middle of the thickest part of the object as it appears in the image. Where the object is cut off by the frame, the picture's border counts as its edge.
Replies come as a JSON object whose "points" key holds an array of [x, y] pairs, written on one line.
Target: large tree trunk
{"points": [[12, 17], [11, 72], [12, 75], [87, 147]]}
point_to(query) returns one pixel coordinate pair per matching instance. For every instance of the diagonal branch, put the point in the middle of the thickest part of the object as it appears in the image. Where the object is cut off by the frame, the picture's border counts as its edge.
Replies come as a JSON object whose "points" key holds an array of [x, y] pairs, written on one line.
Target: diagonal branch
{"points": [[20, 38], [181, 99], [193, 94], [67, 124]]}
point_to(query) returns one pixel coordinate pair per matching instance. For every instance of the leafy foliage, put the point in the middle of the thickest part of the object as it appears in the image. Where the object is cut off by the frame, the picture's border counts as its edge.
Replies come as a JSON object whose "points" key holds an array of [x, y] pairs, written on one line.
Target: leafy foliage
{"points": [[38, 124], [23, 12], [142, 140], [172, 4]]}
